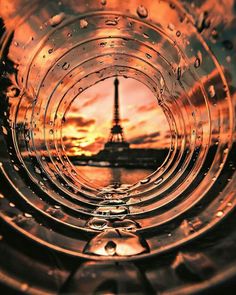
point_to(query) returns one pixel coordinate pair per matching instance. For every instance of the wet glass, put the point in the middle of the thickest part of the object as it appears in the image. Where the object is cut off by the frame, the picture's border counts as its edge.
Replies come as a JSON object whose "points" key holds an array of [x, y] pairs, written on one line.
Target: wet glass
{"points": [[117, 127]]}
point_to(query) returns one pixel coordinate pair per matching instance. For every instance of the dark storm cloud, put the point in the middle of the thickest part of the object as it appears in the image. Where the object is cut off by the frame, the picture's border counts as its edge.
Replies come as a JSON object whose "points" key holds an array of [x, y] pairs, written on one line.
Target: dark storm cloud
{"points": [[145, 138], [79, 121]]}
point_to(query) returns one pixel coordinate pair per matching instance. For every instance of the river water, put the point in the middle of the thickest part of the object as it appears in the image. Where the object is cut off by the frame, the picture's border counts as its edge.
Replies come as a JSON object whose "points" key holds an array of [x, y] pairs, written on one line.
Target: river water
{"points": [[105, 176]]}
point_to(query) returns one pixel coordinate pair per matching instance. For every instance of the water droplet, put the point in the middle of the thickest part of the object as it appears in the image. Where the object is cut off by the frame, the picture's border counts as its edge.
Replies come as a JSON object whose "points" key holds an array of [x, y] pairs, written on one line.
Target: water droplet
{"points": [[55, 212], [16, 167], [56, 19], [103, 44], [65, 66], [178, 73], [4, 130], [142, 11], [83, 23], [37, 170], [148, 56], [203, 22], [211, 91], [219, 214], [171, 27], [158, 181], [50, 50], [24, 287], [178, 33], [98, 223], [197, 62], [27, 215], [111, 22], [146, 36], [110, 248], [51, 131], [12, 205], [125, 244], [103, 2], [146, 180]]}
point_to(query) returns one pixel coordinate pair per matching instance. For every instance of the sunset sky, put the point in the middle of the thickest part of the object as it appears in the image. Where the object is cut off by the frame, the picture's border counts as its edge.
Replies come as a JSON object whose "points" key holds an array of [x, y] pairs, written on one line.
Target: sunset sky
{"points": [[88, 121]]}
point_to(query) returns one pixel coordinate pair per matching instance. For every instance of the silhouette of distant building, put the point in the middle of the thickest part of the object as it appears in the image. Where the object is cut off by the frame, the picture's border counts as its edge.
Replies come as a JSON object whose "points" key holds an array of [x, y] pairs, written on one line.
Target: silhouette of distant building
{"points": [[116, 141], [117, 151]]}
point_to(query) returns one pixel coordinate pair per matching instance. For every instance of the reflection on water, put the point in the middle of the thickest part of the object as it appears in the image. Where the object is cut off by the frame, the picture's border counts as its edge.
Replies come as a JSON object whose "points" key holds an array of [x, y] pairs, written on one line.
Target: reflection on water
{"points": [[105, 176]]}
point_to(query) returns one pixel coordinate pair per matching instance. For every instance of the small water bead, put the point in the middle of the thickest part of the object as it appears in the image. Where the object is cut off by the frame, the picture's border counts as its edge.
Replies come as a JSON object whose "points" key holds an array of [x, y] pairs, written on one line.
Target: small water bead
{"points": [[148, 56], [171, 27], [179, 73], [146, 180], [37, 170], [110, 248], [98, 223], [55, 212], [24, 287], [146, 36], [27, 215], [83, 23], [197, 63], [50, 50], [16, 167], [178, 33], [12, 205], [142, 11], [111, 22], [219, 214], [51, 131], [56, 19], [103, 44], [211, 91], [65, 66], [103, 2], [158, 181], [4, 130]]}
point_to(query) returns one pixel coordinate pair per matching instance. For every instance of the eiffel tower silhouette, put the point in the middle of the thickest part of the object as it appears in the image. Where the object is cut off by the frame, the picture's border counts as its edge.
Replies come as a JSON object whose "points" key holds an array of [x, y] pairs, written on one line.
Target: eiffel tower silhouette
{"points": [[116, 141]]}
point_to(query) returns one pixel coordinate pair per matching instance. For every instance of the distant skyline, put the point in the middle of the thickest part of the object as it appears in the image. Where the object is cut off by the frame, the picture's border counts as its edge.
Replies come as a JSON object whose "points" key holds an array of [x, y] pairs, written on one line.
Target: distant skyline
{"points": [[89, 119]]}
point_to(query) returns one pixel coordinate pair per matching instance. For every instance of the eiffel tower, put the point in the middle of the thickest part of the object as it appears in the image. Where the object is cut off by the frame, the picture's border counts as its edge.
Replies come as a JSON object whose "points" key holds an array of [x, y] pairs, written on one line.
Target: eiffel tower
{"points": [[116, 141]]}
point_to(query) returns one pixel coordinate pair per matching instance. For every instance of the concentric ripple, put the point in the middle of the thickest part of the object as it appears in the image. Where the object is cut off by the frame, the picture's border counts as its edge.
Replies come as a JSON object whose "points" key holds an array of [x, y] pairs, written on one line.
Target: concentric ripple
{"points": [[68, 48]]}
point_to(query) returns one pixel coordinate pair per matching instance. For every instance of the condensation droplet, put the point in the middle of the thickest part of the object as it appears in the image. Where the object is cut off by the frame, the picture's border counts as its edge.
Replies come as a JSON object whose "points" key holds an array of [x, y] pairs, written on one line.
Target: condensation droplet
{"points": [[24, 287], [103, 2], [142, 11], [148, 56], [179, 72], [146, 180], [83, 23], [197, 62], [219, 214], [158, 181], [111, 22], [65, 66], [4, 130], [110, 248], [56, 19], [211, 91]]}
